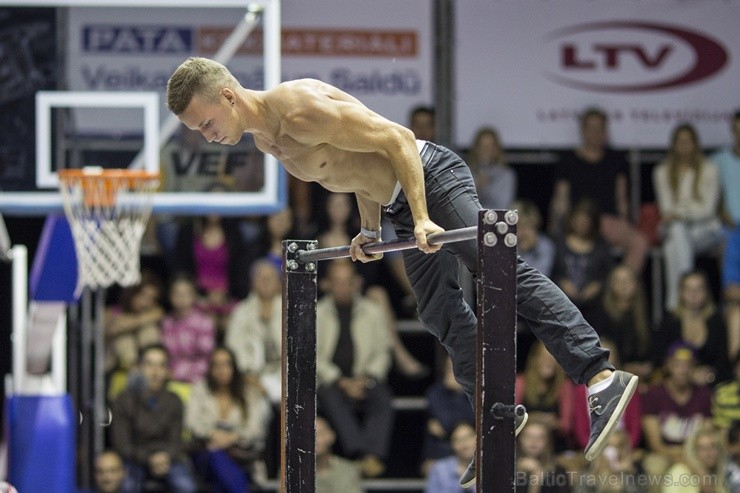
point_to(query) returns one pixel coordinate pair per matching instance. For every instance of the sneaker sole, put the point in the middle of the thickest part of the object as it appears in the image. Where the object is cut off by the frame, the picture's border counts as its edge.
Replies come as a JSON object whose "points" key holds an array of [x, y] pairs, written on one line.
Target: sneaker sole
{"points": [[600, 442], [516, 433]]}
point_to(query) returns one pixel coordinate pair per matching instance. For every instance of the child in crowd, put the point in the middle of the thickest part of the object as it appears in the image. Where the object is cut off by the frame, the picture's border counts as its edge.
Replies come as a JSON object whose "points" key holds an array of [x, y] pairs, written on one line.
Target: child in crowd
{"points": [[188, 333]]}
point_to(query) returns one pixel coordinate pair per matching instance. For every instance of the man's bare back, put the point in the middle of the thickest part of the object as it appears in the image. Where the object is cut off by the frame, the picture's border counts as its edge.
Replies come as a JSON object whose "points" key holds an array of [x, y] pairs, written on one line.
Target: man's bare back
{"points": [[283, 114]]}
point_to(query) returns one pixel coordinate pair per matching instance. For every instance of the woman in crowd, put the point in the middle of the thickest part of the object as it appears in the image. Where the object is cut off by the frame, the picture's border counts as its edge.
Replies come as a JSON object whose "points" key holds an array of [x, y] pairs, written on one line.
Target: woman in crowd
{"points": [[537, 471], [582, 258], [212, 251], [697, 321], [495, 181], [228, 422], [705, 463], [621, 316], [547, 393], [687, 190]]}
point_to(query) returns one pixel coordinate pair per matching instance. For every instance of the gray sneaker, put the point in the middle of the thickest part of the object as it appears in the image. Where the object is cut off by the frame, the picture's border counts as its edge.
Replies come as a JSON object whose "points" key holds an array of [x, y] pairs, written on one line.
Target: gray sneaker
{"points": [[606, 408], [468, 478]]}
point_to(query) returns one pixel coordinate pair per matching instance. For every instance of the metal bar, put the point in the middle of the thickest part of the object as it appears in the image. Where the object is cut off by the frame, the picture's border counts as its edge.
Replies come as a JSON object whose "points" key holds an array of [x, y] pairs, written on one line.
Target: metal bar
{"points": [[19, 256], [99, 411], [388, 246], [86, 387], [496, 352], [298, 409]]}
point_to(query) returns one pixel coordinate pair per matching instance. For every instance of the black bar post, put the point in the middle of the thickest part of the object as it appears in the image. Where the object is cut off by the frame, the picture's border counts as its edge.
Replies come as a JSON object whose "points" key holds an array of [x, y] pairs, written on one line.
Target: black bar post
{"points": [[496, 356], [298, 409]]}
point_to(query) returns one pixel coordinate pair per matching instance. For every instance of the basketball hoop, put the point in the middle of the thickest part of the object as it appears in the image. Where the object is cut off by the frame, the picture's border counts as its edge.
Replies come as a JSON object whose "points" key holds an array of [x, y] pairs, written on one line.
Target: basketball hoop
{"points": [[107, 210]]}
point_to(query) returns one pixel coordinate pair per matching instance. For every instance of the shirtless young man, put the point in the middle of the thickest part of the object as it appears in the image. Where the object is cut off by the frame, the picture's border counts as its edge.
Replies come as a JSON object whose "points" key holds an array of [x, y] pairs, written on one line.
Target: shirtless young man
{"points": [[322, 134]]}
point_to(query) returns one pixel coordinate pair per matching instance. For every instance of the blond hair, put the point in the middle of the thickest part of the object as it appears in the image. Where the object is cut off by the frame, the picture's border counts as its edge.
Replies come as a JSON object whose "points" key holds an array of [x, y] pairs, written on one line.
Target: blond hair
{"points": [[637, 307], [197, 76], [696, 160], [537, 390]]}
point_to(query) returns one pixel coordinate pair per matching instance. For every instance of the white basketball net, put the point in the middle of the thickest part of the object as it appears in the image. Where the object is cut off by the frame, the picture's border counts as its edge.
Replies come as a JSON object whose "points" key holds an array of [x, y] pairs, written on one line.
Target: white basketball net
{"points": [[108, 212]]}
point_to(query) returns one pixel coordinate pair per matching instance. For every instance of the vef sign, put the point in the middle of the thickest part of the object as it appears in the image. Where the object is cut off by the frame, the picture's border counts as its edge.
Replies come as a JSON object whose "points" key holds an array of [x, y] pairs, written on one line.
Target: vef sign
{"points": [[632, 56], [530, 67]]}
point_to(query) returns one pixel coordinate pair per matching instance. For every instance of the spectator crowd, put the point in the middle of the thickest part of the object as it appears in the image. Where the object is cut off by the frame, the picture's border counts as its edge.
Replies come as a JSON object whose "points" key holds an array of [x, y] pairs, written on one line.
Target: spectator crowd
{"points": [[193, 352]]}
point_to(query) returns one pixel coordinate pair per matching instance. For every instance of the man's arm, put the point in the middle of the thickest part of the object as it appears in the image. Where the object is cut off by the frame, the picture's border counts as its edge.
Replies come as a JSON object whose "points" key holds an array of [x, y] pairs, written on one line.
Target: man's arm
{"points": [[370, 222], [369, 213]]}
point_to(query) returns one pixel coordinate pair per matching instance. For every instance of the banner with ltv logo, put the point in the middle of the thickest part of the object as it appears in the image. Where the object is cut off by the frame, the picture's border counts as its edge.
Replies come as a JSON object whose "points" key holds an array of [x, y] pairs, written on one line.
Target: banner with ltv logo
{"points": [[530, 67]]}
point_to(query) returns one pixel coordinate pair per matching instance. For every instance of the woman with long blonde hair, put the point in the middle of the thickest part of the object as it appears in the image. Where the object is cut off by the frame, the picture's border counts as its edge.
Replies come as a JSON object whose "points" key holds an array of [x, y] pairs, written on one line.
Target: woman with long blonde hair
{"points": [[687, 189], [546, 392], [621, 316], [705, 464]]}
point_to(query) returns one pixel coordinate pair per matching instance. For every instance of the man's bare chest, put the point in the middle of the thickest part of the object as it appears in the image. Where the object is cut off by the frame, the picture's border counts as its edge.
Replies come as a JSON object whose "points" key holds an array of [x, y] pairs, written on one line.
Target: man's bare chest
{"points": [[308, 163]]}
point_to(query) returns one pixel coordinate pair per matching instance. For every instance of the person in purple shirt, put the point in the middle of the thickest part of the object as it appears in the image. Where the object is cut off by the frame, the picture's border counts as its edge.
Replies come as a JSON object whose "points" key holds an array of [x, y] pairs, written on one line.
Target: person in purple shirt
{"points": [[672, 410]]}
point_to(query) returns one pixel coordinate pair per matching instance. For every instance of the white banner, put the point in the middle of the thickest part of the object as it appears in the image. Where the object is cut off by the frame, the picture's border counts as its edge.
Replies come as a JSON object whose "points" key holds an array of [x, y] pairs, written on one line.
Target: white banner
{"points": [[529, 67], [377, 51]]}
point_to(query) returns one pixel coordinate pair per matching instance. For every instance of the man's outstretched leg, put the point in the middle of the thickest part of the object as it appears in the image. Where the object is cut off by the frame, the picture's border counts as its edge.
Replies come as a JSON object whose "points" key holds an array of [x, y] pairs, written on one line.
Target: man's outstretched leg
{"points": [[452, 203]]}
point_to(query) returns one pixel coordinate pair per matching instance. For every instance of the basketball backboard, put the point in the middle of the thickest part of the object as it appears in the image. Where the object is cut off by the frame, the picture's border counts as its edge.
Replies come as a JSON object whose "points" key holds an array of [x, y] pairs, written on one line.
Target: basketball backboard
{"points": [[108, 119]]}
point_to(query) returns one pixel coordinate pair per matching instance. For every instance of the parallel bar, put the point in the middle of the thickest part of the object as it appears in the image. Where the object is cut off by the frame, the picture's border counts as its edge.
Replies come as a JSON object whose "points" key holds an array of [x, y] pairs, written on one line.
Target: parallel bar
{"points": [[496, 356], [298, 409], [450, 236]]}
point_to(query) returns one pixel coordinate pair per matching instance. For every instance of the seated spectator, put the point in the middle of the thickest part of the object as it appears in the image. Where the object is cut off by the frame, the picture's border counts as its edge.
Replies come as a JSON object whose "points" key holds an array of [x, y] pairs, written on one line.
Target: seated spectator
{"points": [[726, 399], [697, 321], [133, 322], [211, 249], [672, 410], [146, 429], [536, 468], [728, 162], [334, 474], [616, 470], [444, 476], [630, 422], [339, 232], [547, 394], [228, 422], [596, 172], [687, 189], [255, 332], [621, 316], [423, 123], [448, 406], [534, 246], [495, 181], [704, 461], [188, 334], [352, 363], [582, 257], [110, 473]]}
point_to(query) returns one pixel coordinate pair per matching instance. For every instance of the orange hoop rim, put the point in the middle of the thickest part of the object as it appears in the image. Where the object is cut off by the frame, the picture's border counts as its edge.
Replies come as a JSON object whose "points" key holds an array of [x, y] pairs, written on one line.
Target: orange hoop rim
{"points": [[106, 174]]}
